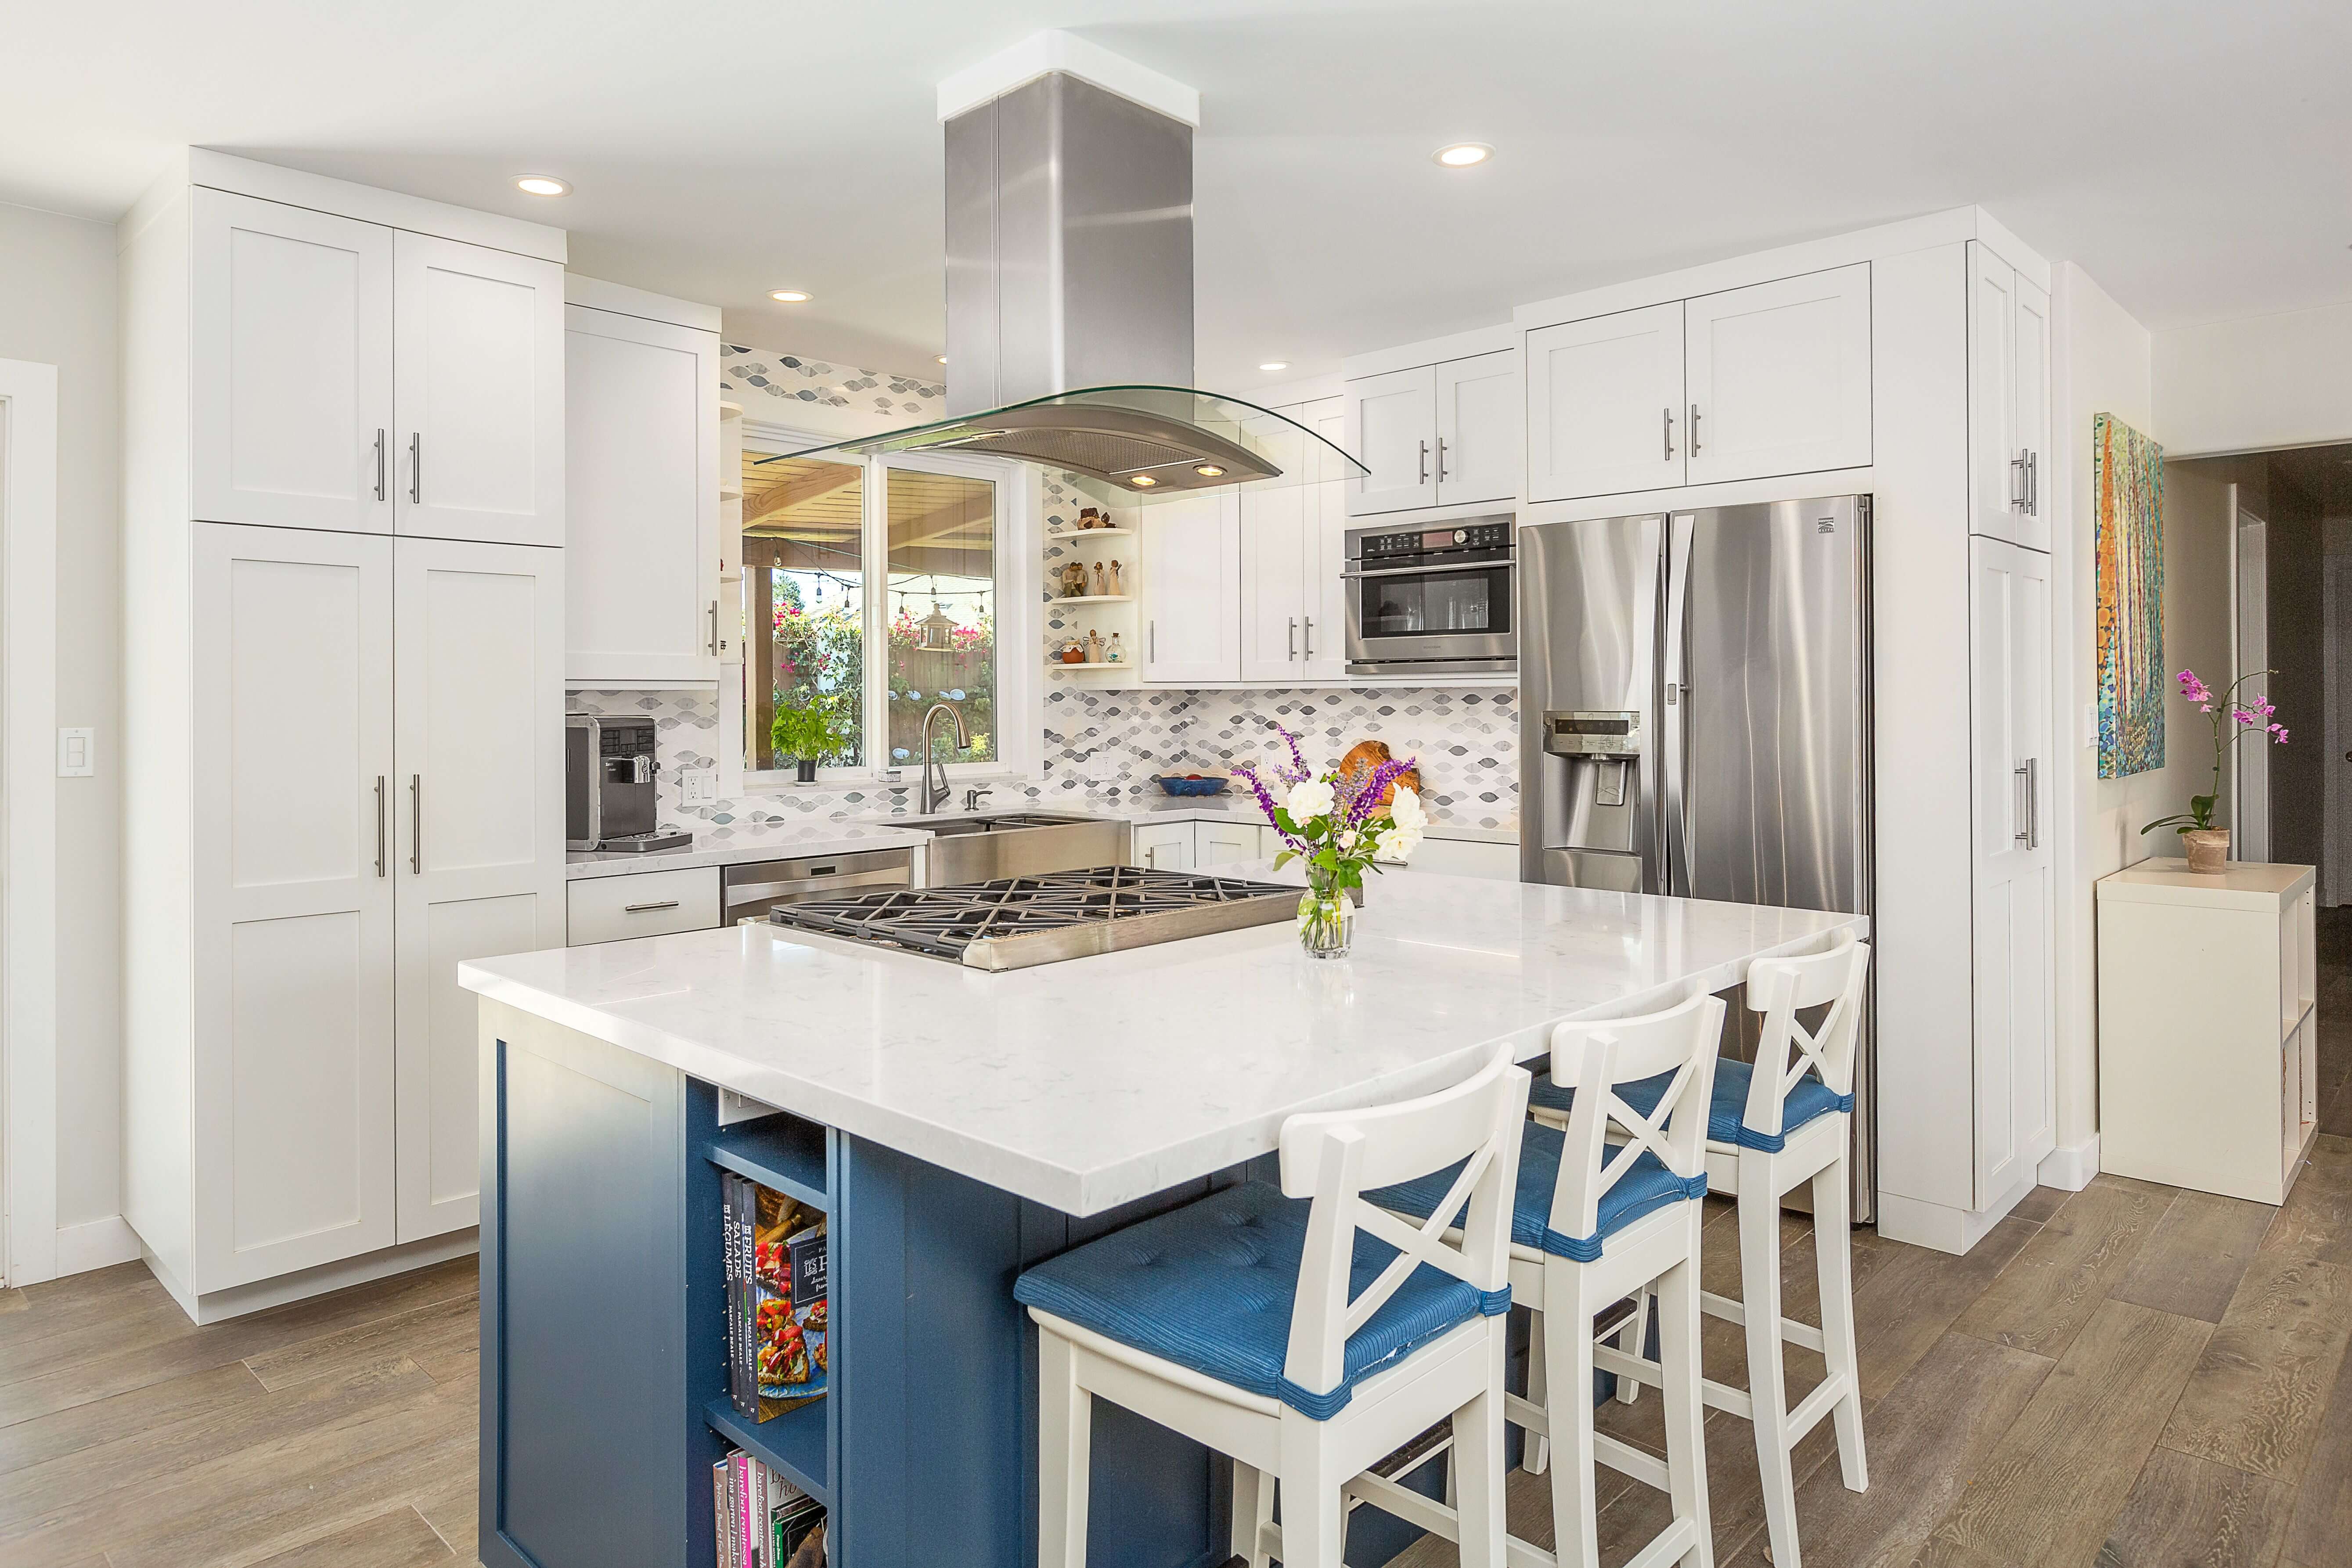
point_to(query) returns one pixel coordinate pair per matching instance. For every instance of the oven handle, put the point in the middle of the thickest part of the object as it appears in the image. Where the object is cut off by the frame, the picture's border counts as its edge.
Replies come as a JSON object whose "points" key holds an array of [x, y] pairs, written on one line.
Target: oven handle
{"points": [[1425, 570]]}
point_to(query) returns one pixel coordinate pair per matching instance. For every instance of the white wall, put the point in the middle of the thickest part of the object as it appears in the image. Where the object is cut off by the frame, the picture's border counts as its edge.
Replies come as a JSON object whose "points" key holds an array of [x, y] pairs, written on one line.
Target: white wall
{"points": [[58, 308], [2264, 382]]}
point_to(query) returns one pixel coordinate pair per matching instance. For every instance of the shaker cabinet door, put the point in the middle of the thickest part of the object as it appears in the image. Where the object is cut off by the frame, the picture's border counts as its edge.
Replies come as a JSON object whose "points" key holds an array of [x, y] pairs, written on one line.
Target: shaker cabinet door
{"points": [[1779, 377], [1479, 415], [1392, 432], [292, 983], [1605, 401], [2010, 741], [290, 375], [1191, 586], [477, 393], [1323, 624], [478, 829]]}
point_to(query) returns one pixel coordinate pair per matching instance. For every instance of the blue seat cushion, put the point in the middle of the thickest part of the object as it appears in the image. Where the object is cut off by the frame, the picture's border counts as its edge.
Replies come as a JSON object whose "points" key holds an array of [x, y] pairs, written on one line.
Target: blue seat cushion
{"points": [[1809, 1099], [1641, 1188], [1210, 1287]]}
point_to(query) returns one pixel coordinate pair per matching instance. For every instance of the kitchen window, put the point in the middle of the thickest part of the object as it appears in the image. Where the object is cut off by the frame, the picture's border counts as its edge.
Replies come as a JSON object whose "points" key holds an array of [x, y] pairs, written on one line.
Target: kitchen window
{"points": [[872, 590]]}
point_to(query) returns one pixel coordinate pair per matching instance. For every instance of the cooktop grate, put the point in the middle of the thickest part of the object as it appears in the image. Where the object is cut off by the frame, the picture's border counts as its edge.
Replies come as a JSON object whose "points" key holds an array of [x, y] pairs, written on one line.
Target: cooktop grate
{"points": [[998, 925]]}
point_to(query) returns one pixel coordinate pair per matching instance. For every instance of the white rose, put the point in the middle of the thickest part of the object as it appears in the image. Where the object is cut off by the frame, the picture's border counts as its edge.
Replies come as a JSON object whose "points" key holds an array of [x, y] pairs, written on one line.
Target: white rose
{"points": [[1309, 801], [1394, 845], [1349, 838], [1405, 810]]}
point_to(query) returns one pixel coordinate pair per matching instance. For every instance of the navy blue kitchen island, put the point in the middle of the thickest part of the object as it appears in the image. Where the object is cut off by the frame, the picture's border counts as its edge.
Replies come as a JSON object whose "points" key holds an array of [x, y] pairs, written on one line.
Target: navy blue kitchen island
{"points": [[955, 1127]]}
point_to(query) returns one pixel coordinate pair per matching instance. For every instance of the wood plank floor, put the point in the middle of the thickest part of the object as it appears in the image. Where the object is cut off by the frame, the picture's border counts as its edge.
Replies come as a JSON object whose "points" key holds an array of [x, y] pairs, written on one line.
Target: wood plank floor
{"points": [[2128, 1377]]}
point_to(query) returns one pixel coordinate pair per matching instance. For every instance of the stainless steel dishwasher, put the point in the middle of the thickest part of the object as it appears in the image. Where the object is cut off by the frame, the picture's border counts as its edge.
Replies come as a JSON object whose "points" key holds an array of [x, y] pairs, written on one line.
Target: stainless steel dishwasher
{"points": [[754, 887]]}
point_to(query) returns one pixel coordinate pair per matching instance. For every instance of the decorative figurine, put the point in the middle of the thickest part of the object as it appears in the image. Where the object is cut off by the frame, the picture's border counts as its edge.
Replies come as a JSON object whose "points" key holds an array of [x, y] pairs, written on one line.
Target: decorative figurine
{"points": [[1072, 654], [1074, 578], [1116, 654], [1102, 581], [1094, 646], [1091, 517], [1116, 585]]}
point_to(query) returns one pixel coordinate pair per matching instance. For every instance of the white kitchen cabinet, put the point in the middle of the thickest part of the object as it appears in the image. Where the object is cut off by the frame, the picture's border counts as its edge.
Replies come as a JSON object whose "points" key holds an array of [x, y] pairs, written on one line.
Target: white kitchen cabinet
{"points": [[1479, 404], [2008, 401], [642, 904], [291, 923], [1778, 377], [1323, 631], [1392, 425], [1465, 857], [1293, 541], [2011, 744], [477, 683], [1191, 589], [1224, 843], [291, 374], [1163, 846], [642, 474], [1605, 404], [477, 391]]}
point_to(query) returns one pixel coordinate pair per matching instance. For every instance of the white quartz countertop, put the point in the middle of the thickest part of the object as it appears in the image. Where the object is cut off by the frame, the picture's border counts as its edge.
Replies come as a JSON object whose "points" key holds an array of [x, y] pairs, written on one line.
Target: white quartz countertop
{"points": [[1085, 1084], [782, 842]]}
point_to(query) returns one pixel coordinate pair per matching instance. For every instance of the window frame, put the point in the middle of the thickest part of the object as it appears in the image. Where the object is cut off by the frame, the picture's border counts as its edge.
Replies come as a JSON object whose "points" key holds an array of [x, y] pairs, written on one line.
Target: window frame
{"points": [[1020, 682]]}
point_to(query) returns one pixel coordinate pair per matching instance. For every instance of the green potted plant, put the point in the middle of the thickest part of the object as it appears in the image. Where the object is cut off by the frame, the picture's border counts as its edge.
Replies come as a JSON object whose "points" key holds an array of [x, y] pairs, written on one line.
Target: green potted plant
{"points": [[806, 731], [2207, 846]]}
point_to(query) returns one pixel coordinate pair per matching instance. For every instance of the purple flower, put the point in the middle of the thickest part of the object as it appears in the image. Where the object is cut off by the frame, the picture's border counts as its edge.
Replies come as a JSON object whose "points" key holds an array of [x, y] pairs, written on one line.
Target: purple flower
{"points": [[1364, 800], [1298, 772], [2193, 689], [1266, 803]]}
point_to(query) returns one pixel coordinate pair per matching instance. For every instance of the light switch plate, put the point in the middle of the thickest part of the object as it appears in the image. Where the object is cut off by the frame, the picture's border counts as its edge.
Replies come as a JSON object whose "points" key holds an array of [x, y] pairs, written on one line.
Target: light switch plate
{"points": [[699, 785], [2090, 724], [77, 753]]}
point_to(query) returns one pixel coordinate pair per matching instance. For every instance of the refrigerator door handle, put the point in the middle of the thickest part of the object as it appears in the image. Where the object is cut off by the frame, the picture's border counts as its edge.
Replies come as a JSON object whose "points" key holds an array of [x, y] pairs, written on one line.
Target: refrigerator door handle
{"points": [[1673, 728]]}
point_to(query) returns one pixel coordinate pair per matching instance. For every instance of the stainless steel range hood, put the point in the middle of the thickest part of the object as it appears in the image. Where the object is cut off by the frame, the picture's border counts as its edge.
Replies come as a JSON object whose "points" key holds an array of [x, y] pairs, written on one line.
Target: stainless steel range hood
{"points": [[1069, 296]]}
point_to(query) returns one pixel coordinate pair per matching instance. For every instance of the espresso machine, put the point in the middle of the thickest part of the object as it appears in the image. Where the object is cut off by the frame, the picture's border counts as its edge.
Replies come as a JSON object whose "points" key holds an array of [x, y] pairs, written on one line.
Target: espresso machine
{"points": [[611, 797]]}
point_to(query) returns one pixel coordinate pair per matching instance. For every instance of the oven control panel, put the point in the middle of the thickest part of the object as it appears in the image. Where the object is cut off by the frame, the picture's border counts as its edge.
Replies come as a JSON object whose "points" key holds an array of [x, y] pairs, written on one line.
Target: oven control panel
{"points": [[1424, 541]]}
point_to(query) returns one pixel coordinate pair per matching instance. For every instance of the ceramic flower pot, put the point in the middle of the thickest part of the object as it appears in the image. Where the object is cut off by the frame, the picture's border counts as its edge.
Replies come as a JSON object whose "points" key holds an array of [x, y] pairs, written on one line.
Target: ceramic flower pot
{"points": [[2208, 849]]}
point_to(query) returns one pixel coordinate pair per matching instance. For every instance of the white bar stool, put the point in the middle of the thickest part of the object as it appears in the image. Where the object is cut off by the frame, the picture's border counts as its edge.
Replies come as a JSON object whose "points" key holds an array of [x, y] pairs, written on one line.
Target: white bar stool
{"points": [[1300, 1330], [1776, 1126], [1595, 1222]]}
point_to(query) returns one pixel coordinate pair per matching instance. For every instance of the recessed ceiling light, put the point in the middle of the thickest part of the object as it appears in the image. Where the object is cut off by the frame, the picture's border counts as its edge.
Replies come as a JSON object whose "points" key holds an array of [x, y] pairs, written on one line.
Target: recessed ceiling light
{"points": [[1462, 154], [1209, 471], [1276, 365], [789, 295], [541, 185], [1143, 481]]}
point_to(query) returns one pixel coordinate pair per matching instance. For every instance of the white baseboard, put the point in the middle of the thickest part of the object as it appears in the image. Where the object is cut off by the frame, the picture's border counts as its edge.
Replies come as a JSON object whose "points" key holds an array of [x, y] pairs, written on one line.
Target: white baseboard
{"points": [[2070, 1167], [215, 1306], [96, 1244], [1941, 1226]]}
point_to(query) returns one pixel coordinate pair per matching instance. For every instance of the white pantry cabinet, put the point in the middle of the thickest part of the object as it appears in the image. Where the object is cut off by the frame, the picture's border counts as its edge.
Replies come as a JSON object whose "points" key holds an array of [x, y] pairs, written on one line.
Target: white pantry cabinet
{"points": [[2009, 680], [1744, 383], [2009, 402], [1441, 434], [477, 700], [343, 758], [641, 411], [346, 374], [1293, 607], [1192, 550]]}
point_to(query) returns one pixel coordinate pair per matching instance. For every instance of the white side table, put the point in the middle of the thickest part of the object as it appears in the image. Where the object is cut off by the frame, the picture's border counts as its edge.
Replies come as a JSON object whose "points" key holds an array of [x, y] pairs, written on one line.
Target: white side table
{"points": [[2208, 1026]]}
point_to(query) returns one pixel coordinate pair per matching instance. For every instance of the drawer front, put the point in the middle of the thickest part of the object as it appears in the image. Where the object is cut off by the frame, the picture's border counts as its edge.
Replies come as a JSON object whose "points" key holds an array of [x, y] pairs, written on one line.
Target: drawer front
{"points": [[646, 903]]}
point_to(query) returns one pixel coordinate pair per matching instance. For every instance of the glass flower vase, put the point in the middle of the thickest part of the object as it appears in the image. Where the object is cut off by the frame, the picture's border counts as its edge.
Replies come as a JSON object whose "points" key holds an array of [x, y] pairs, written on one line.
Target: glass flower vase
{"points": [[1326, 922]]}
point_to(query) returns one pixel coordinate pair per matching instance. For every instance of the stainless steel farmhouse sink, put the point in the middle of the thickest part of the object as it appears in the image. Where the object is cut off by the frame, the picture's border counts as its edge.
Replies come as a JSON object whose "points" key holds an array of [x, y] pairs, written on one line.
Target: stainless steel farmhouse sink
{"points": [[987, 845]]}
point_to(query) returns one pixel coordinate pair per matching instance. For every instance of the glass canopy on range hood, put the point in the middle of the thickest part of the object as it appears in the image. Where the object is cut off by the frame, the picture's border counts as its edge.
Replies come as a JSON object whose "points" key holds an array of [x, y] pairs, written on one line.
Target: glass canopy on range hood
{"points": [[1146, 441]]}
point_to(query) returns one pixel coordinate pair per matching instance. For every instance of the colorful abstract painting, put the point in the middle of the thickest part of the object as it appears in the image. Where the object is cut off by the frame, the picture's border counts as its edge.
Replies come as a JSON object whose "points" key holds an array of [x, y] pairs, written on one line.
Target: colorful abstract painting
{"points": [[2127, 486]]}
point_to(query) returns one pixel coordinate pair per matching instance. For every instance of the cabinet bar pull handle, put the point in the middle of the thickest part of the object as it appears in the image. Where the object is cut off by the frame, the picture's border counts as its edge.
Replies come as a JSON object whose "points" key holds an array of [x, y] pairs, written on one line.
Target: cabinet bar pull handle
{"points": [[1666, 415], [416, 469], [1151, 633], [1294, 639], [2017, 483], [416, 824], [2026, 835], [714, 628], [643, 908], [1310, 636], [2034, 484], [1441, 460], [379, 464], [379, 824], [1425, 463], [1694, 430]]}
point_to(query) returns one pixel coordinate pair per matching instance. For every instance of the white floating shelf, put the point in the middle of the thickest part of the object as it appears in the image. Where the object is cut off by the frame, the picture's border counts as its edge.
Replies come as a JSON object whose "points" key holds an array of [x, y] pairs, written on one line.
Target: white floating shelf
{"points": [[1096, 599], [1105, 664], [1091, 534], [729, 410], [731, 492]]}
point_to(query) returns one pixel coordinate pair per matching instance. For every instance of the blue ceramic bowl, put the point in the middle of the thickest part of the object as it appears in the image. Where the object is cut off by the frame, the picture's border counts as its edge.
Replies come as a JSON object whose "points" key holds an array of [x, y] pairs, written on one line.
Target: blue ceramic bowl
{"points": [[1208, 784]]}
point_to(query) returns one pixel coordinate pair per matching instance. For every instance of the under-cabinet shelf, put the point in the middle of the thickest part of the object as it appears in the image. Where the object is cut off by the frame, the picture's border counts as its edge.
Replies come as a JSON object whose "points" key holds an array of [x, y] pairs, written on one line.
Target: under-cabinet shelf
{"points": [[795, 1444], [782, 1151]]}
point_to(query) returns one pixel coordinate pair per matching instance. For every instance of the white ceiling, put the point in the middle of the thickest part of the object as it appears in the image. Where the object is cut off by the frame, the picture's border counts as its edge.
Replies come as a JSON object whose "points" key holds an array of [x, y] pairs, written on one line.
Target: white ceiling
{"points": [[2194, 156]]}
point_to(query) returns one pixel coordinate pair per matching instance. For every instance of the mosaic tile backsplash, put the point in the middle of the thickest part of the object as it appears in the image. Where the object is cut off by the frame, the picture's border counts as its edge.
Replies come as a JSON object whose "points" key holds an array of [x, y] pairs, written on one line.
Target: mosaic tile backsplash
{"points": [[762, 379], [1103, 746]]}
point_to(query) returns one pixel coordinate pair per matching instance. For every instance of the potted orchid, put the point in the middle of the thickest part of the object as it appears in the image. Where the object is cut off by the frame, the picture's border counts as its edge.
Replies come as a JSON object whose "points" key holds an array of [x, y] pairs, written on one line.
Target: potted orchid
{"points": [[1337, 827], [2208, 847]]}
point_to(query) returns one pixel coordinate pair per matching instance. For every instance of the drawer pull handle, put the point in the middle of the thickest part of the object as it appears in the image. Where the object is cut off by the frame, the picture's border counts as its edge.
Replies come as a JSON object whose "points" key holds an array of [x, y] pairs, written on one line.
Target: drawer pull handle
{"points": [[643, 908]]}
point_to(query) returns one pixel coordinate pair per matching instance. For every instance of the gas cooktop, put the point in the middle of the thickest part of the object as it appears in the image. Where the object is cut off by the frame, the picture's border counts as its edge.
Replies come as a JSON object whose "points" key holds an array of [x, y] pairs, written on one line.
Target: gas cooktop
{"points": [[1022, 921]]}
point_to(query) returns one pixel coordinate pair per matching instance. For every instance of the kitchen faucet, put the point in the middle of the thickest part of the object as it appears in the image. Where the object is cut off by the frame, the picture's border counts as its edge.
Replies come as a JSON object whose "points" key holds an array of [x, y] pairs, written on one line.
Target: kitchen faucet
{"points": [[934, 796]]}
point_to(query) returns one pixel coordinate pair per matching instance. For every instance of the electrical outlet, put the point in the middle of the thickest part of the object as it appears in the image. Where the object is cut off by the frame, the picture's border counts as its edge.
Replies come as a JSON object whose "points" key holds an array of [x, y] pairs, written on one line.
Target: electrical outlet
{"points": [[699, 785]]}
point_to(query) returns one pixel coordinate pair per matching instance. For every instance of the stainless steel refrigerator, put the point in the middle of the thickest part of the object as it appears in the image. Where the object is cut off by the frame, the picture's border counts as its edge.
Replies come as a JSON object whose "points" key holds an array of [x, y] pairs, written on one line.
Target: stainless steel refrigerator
{"points": [[1695, 716]]}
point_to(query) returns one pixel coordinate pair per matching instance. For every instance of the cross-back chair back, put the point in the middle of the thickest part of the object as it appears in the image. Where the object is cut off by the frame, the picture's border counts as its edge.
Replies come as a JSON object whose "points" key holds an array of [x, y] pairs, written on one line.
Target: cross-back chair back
{"points": [[1593, 1058], [1780, 988], [1334, 1158]]}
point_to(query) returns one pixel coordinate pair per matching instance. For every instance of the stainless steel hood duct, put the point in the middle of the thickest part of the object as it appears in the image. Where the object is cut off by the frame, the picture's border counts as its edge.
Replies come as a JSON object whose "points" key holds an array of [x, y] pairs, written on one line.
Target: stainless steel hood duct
{"points": [[1069, 304]]}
